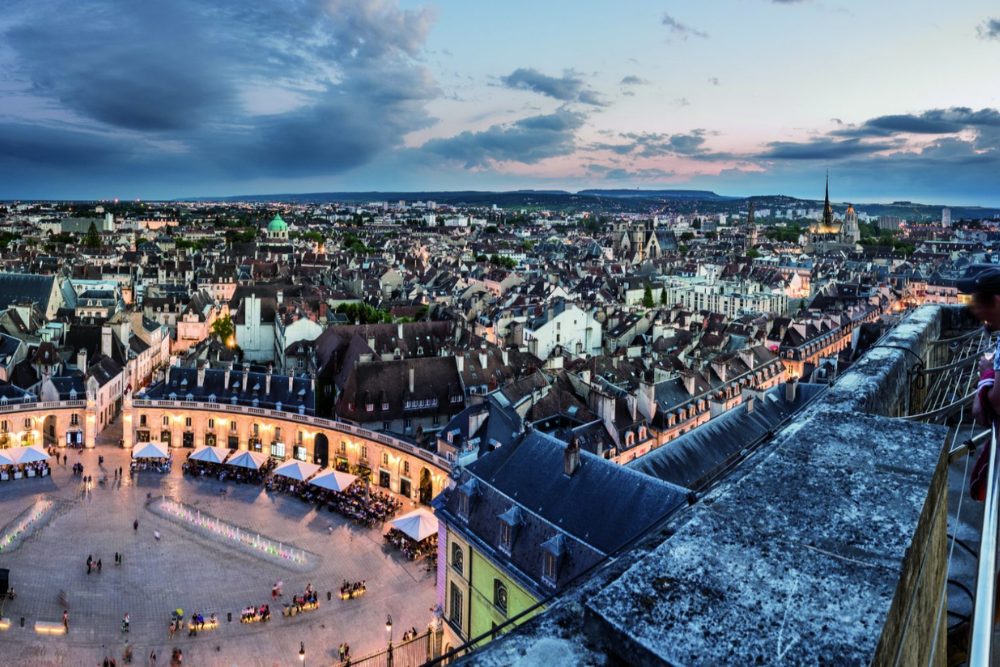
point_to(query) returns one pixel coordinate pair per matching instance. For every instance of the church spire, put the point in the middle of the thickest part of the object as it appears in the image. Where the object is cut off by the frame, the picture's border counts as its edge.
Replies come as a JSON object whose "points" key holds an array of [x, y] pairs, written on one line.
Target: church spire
{"points": [[827, 209]]}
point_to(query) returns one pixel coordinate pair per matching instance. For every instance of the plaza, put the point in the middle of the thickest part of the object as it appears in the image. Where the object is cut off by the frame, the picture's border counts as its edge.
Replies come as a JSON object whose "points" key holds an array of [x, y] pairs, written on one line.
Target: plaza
{"points": [[184, 569]]}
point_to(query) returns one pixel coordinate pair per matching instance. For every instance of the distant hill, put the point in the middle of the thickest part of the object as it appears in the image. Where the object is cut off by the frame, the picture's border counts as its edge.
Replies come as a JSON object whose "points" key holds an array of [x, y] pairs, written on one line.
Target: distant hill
{"points": [[657, 194]]}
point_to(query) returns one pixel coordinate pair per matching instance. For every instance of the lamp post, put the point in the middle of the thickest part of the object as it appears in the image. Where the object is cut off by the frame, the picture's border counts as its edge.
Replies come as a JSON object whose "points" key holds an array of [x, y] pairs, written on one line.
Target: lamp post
{"points": [[388, 628], [302, 652]]}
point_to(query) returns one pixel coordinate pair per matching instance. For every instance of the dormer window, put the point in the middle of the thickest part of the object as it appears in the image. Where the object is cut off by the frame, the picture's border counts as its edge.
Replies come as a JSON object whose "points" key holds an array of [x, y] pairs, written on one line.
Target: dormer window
{"points": [[369, 407]]}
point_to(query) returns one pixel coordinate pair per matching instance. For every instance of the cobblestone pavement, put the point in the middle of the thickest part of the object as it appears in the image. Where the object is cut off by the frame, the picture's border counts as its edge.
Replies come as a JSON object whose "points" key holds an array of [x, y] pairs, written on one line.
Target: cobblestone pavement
{"points": [[184, 570]]}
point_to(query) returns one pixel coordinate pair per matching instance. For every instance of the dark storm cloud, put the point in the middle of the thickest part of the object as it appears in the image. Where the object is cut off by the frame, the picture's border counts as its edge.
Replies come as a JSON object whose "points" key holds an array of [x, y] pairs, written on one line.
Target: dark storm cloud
{"points": [[822, 149], [989, 29], [528, 140], [680, 29], [569, 87], [177, 72], [934, 121]]}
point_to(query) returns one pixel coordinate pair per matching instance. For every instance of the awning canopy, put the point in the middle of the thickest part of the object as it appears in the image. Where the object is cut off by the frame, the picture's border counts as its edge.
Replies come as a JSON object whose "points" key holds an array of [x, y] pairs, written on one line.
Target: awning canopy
{"points": [[32, 454], [151, 450], [210, 454], [252, 460], [417, 525], [298, 470], [333, 480], [5, 458]]}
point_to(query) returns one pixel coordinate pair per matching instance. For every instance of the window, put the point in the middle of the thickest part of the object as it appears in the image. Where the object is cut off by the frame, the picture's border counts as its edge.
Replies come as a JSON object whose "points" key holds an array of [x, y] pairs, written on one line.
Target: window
{"points": [[187, 422], [364, 451], [166, 420], [505, 534], [74, 420], [3, 426], [369, 407], [256, 429], [385, 406], [343, 446], [300, 453], [455, 613], [301, 363], [386, 426], [278, 450], [500, 596], [549, 566], [142, 420], [211, 423], [277, 433], [232, 426], [463, 505], [385, 459], [299, 436], [406, 468], [458, 558]]}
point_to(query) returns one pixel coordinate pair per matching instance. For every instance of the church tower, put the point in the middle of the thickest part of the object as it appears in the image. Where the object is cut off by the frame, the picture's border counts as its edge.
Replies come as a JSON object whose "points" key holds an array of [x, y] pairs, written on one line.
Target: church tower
{"points": [[850, 232], [827, 209], [751, 235]]}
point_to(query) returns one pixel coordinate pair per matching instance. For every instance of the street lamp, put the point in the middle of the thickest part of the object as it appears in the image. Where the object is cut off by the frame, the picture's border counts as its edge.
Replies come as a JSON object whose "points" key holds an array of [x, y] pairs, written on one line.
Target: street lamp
{"points": [[388, 628], [302, 652]]}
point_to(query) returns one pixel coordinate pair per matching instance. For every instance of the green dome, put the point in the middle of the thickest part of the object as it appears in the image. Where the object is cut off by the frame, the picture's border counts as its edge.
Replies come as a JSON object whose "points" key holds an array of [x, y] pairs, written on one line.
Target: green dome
{"points": [[277, 225]]}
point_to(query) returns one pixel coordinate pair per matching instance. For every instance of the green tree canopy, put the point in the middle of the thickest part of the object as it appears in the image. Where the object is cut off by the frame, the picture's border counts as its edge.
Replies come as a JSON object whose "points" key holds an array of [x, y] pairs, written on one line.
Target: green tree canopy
{"points": [[663, 296], [93, 238], [647, 297], [687, 236], [224, 330], [753, 253]]}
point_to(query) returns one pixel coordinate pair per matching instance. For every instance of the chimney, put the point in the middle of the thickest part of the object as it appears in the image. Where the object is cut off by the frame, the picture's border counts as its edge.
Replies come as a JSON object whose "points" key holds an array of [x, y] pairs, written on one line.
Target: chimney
{"points": [[689, 383], [749, 403], [572, 457], [791, 389], [267, 381], [229, 367], [246, 377], [201, 374], [291, 382], [81, 360], [312, 382], [399, 331], [411, 379], [483, 359], [460, 362], [280, 297], [106, 340]]}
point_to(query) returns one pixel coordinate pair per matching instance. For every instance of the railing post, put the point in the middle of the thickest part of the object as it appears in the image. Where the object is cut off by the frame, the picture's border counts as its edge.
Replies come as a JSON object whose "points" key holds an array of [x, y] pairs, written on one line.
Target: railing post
{"points": [[981, 643]]}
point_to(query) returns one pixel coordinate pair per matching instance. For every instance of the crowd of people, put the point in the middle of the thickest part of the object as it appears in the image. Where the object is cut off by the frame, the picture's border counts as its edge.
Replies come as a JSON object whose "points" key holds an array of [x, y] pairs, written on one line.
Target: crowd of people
{"points": [[161, 466], [252, 614], [368, 508], [38, 469], [410, 547], [352, 590], [223, 472]]}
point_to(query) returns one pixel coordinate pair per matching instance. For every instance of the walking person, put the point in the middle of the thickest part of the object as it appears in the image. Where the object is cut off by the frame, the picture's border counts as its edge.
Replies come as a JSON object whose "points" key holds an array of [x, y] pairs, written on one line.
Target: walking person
{"points": [[152, 658], [90, 560], [116, 559], [98, 566], [125, 623], [135, 526], [66, 621], [173, 628]]}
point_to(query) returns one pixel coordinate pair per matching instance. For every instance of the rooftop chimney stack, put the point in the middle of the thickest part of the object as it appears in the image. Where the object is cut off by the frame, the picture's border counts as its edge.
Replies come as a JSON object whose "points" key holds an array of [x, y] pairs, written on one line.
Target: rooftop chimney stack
{"points": [[229, 367], [81, 360], [572, 457], [411, 379], [791, 389], [267, 380], [201, 374]]}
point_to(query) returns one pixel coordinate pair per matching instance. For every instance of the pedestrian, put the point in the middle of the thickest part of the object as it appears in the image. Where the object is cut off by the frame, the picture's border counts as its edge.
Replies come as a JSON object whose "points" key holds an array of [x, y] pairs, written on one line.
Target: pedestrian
{"points": [[98, 566], [100, 460], [116, 473], [107, 663], [152, 657], [127, 655], [156, 535], [135, 526], [341, 649], [66, 621], [121, 559], [173, 628], [274, 592], [125, 623], [116, 559], [120, 473], [90, 559]]}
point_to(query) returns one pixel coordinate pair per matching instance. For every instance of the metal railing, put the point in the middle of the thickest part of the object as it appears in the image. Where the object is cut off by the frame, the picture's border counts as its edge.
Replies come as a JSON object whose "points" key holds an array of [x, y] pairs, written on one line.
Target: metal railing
{"points": [[981, 640]]}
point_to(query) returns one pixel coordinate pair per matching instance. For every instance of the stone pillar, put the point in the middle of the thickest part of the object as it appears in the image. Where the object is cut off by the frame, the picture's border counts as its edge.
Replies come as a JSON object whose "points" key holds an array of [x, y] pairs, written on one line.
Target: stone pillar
{"points": [[90, 424], [128, 422]]}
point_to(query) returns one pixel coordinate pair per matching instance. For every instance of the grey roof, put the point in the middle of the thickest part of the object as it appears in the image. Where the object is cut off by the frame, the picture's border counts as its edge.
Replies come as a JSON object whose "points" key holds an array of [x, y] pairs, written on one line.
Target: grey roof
{"points": [[18, 287], [602, 504], [687, 460], [182, 382]]}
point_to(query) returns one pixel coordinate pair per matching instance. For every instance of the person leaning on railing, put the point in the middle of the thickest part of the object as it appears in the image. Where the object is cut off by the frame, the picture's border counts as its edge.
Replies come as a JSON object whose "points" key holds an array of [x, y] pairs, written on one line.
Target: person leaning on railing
{"points": [[984, 288]]}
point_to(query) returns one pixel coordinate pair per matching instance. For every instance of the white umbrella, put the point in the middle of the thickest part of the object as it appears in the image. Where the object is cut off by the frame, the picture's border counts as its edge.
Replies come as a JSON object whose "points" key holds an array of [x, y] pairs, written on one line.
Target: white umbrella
{"points": [[31, 454], [210, 454], [298, 470], [418, 524], [252, 460], [333, 480], [151, 450], [5, 458]]}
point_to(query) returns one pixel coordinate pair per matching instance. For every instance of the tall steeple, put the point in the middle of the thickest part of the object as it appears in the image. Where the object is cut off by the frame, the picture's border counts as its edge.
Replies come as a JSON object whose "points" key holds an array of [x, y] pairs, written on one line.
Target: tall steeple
{"points": [[751, 236], [827, 209]]}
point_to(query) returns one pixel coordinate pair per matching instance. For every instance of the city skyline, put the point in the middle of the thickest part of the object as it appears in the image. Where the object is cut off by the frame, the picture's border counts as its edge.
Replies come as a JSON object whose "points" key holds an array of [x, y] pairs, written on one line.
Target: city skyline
{"points": [[190, 100]]}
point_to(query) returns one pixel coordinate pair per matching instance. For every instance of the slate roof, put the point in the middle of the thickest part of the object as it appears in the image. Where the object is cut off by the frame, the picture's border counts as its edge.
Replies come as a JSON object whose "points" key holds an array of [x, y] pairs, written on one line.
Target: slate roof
{"points": [[19, 287], [182, 382]]}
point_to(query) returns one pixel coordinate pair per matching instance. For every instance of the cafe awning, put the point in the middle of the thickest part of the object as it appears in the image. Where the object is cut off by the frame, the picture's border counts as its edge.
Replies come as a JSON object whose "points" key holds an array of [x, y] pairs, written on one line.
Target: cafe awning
{"points": [[32, 454], [252, 460], [297, 470], [5, 458], [210, 454], [151, 450], [333, 480], [417, 525]]}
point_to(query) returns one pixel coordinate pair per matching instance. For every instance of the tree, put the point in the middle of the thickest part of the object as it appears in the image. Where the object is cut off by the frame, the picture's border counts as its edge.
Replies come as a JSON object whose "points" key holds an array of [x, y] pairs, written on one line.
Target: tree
{"points": [[682, 249], [687, 236], [663, 296], [225, 331], [753, 253], [711, 235], [93, 239], [503, 262], [647, 297], [491, 229]]}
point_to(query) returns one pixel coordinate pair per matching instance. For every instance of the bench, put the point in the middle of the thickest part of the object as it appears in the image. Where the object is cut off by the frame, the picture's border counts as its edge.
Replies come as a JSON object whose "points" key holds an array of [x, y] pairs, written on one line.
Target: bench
{"points": [[50, 627], [4, 622], [208, 625]]}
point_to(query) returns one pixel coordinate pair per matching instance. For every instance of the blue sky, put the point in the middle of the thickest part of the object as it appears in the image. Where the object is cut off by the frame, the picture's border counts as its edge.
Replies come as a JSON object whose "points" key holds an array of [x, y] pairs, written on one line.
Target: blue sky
{"points": [[217, 97]]}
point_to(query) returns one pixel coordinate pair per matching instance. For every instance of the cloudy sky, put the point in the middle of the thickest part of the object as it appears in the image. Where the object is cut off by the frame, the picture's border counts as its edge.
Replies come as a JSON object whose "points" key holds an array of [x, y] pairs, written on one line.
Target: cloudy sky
{"points": [[161, 99]]}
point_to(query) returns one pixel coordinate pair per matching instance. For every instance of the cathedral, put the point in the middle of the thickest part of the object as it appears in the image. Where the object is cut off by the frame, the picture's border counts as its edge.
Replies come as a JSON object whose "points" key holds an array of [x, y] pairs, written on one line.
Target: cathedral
{"points": [[636, 242], [829, 235]]}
